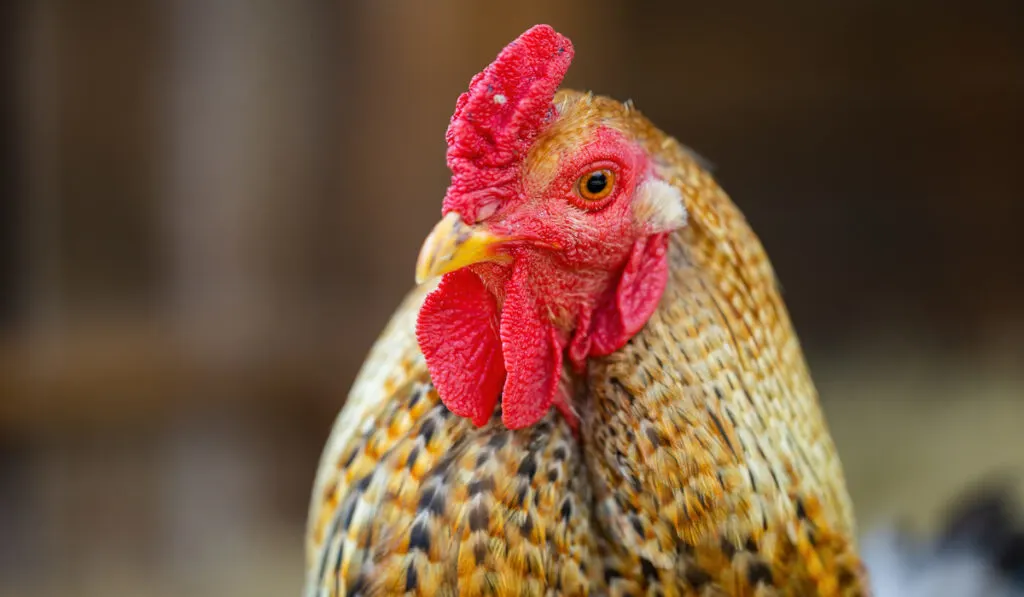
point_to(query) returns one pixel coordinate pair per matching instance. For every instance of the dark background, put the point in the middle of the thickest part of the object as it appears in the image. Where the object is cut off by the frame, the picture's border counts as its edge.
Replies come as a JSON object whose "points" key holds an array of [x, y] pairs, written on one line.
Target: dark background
{"points": [[210, 209]]}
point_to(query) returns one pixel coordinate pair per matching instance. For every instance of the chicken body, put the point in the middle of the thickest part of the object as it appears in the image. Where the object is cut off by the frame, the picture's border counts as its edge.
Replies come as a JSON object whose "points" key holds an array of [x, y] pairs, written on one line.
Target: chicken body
{"points": [[702, 464]]}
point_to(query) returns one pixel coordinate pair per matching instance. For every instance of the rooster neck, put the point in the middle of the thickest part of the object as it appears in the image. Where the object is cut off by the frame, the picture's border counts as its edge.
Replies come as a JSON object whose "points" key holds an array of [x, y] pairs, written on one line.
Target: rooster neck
{"points": [[703, 435]]}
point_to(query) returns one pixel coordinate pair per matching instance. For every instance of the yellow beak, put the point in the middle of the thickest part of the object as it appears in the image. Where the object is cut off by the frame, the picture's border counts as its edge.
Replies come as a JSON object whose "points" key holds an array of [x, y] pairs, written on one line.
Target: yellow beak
{"points": [[453, 244]]}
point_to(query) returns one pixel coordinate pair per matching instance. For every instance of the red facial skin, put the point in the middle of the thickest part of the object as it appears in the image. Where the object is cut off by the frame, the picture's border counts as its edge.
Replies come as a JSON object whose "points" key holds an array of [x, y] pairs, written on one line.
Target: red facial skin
{"points": [[583, 279]]}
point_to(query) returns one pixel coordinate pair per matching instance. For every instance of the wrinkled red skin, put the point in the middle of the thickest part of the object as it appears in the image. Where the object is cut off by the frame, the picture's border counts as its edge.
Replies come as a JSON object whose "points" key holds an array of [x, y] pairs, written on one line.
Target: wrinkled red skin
{"points": [[582, 281]]}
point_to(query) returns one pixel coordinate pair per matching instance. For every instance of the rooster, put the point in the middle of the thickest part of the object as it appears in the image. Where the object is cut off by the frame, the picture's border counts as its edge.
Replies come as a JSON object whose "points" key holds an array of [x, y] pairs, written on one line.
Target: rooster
{"points": [[602, 394]]}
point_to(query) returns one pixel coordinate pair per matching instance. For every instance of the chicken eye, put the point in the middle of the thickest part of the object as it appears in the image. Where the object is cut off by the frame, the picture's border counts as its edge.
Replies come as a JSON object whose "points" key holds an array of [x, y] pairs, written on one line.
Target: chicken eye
{"points": [[596, 185]]}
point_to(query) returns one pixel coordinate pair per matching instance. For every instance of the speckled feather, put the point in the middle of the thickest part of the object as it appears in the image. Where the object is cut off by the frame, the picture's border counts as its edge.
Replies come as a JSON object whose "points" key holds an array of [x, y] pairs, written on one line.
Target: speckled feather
{"points": [[703, 465]]}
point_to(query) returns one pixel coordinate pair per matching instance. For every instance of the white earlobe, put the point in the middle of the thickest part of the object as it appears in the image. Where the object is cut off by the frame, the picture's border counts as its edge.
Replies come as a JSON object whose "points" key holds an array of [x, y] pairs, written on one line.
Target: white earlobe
{"points": [[658, 207]]}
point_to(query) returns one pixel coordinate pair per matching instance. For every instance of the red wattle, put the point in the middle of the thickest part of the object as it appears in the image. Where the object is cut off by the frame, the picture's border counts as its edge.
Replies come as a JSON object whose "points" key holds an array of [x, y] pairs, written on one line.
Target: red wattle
{"points": [[533, 355], [579, 346], [457, 330], [636, 297]]}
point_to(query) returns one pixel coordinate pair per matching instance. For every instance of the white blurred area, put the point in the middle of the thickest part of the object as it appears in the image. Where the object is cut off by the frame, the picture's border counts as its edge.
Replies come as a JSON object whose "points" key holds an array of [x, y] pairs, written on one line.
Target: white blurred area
{"points": [[217, 204]]}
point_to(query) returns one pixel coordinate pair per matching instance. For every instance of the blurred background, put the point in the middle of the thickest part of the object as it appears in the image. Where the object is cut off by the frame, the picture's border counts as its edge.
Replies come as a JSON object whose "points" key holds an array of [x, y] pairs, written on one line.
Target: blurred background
{"points": [[211, 207]]}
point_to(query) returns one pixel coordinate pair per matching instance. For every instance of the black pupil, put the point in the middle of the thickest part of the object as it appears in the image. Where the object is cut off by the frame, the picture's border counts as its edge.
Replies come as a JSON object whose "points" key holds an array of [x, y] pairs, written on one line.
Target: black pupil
{"points": [[596, 183]]}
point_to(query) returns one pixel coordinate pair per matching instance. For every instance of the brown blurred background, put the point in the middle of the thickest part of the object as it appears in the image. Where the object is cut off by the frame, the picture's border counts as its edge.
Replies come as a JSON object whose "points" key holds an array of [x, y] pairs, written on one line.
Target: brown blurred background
{"points": [[210, 208]]}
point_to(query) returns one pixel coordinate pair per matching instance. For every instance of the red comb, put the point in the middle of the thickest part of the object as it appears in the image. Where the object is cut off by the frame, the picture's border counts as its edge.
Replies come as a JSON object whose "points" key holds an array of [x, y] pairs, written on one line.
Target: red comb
{"points": [[496, 121]]}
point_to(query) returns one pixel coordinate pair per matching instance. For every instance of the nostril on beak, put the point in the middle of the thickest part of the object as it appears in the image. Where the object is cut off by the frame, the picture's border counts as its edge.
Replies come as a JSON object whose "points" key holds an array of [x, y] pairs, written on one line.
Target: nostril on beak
{"points": [[486, 211]]}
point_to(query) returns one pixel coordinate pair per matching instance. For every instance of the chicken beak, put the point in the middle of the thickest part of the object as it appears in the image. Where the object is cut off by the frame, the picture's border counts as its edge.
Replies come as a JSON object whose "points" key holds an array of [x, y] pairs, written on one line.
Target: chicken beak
{"points": [[453, 244]]}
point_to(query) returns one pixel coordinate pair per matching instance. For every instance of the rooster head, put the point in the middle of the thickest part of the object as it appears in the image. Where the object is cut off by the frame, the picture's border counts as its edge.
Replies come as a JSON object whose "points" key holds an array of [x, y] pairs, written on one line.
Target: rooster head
{"points": [[553, 240]]}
